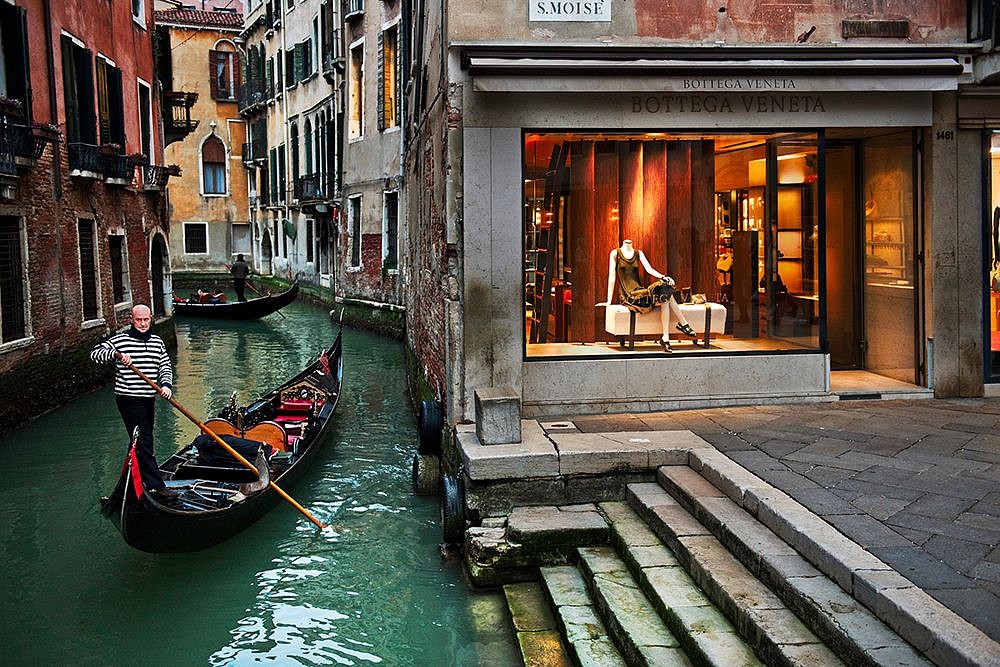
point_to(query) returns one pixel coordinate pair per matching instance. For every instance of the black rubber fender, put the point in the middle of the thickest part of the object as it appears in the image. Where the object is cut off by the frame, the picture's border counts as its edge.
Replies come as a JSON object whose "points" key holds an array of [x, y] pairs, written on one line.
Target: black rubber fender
{"points": [[452, 510], [430, 424], [426, 474]]}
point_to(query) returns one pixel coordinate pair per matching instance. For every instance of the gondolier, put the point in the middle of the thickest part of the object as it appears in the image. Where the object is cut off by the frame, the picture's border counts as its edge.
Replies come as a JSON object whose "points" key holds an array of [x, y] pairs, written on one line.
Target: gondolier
{"points": [[240, 270], [136, 399]]}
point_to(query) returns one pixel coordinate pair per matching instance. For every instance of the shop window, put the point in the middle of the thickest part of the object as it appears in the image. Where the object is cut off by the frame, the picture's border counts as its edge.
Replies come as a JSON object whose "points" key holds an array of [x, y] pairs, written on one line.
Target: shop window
{"points": [[213, 166], [89, 289], [387, 95], [356, 124], [119, 268], [13, 286], [196, 238], [733, 220], [993, 234]]}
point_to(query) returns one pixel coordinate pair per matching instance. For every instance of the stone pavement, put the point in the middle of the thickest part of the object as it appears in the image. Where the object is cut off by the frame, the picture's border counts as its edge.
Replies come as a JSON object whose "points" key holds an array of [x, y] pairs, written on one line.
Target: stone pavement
{"points": [[916, 483]]}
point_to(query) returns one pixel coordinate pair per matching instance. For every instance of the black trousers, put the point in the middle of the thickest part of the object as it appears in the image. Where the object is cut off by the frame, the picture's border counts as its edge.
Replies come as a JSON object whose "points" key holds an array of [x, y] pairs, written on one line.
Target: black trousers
{"points": [[239, 284], [138, 412]]}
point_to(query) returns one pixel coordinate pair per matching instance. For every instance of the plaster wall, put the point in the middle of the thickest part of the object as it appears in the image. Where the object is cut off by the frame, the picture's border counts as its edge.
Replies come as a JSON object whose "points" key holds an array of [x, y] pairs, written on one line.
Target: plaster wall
{"points": [[700, 21]]}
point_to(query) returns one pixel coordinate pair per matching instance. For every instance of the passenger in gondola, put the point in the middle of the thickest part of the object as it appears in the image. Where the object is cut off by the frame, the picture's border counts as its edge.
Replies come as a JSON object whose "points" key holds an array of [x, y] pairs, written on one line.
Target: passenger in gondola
{"points": [[136, 400], [217, 297]]}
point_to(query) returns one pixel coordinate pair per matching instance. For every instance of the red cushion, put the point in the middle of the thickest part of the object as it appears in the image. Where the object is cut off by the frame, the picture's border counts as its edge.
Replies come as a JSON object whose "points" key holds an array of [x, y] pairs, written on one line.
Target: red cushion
{"points": [[296, 405], [287, 420]]}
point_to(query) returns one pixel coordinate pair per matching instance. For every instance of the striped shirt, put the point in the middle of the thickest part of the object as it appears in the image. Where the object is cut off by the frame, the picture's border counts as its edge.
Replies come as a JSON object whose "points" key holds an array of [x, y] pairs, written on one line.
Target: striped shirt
{"points": [[149, 355]]}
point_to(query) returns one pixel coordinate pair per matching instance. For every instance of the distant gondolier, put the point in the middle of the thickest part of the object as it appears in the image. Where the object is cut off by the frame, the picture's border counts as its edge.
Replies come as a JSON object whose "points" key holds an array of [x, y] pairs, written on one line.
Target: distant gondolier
{"points": [[135, 399], [240, 270]]}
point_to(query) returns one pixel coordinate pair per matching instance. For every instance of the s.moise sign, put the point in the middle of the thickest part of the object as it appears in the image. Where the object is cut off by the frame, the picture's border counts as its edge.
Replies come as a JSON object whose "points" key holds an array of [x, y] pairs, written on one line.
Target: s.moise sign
{"points": [[569, 10]]}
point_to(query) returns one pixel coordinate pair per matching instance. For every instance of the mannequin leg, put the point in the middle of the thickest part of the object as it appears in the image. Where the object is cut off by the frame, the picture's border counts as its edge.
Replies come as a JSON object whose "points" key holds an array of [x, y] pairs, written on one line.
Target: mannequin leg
{"points": [[665, 323], [682, 323]]}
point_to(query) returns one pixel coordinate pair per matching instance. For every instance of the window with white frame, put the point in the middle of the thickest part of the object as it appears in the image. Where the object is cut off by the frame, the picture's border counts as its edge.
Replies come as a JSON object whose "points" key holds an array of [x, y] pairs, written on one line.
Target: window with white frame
{"points": [[195, 238], [14, 321], [118, 252], [388, 98], [354, 225], [390, 230], [139, 12], [146, 119], [224, 70], [356, 127], [213, 166], [90, 291]]}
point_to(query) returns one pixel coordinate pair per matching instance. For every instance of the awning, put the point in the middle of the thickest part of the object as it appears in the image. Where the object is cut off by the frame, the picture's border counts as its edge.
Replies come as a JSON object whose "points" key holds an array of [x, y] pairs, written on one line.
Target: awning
{"points": [[508, 70]]}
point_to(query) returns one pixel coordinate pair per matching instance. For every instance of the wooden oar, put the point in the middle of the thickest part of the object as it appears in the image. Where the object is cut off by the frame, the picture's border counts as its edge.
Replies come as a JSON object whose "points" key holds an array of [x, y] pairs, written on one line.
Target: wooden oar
{"points": [[224, 445], [254, 290]]}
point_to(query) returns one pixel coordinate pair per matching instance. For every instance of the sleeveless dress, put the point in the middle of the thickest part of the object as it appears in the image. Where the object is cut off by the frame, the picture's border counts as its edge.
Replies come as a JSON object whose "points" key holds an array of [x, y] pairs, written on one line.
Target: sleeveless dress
{"points": [[631, 293]]}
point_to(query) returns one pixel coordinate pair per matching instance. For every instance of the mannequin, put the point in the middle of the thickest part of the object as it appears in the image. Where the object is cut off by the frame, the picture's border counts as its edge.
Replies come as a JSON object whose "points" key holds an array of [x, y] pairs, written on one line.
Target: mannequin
{"points": [[623, 268]]}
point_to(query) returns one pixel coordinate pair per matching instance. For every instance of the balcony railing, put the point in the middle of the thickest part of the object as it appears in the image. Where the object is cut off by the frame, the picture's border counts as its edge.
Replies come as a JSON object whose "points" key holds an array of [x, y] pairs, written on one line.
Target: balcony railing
{"points": [[309, 188], [22, 145], [251, 93], [155, 176], [84, 160], [118, 169], [177, 116]]}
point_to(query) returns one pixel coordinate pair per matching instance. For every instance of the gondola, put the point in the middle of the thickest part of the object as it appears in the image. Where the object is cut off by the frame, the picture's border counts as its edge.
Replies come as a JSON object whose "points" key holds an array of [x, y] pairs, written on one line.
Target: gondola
{"points": [[281, 432], [238, 310]]}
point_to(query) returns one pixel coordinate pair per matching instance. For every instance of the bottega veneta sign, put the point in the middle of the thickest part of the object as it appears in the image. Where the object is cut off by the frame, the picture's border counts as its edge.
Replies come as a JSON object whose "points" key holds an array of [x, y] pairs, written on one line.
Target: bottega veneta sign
{"points": [[747, 103], [569, 10]]}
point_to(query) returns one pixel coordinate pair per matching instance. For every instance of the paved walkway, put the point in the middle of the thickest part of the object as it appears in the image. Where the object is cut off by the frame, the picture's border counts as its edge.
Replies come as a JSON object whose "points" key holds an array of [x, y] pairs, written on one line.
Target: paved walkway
{"points": [[917, 483]]}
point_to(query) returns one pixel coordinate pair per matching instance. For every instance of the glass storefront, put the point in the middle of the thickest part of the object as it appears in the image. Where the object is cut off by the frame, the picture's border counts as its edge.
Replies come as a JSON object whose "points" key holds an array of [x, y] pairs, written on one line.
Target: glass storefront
{"points": [[733, 219], [993, 234]]}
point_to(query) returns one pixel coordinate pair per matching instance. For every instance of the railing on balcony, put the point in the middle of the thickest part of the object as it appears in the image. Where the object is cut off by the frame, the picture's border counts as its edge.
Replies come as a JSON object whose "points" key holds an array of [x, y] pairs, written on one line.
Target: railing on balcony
{"points": [[155, 176], [84, 160], [118, 169], [251, 93], [177, 117], [254, 152], [22, 145], [353, 9], [309, 188]]}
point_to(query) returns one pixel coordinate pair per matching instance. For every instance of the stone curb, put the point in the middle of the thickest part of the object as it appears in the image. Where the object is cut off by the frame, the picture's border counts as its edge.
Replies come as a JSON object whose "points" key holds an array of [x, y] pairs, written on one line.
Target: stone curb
{"points": [[941, 634]]}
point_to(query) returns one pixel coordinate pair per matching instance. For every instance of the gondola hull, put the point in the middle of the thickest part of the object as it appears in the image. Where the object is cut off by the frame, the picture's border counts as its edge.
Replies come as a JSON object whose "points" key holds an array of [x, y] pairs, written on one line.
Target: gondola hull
{"points": [[238, 310], [194, 520]]}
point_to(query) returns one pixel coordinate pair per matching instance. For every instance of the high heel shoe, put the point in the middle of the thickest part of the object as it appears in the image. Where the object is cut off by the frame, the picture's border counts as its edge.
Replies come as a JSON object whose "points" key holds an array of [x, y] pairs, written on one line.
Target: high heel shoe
{"points": [[686, 330], [666, 346]]}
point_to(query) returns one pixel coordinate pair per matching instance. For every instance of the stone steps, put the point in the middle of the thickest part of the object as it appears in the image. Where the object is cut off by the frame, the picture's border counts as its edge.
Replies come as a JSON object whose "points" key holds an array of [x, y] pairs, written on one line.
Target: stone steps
{"points": [[583, 631], [751, 573], [537, 633]]}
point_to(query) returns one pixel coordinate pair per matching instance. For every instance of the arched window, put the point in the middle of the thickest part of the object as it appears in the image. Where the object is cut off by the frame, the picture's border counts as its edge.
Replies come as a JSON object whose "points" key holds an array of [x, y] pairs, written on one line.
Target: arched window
{"points": [[213, 166], [224, 75]]}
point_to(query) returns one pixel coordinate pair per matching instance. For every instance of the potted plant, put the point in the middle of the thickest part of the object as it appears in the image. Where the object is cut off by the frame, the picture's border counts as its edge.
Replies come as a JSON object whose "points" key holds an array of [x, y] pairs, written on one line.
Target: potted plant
{"points": [[138, 158], [173, 170], [46, 132], [387, 266], [10, 106], [111, 149]]}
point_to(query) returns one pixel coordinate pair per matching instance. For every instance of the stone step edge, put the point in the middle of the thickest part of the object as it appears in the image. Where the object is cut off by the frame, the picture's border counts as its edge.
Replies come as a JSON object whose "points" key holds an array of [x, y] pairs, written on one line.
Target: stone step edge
{"points": [[934, 629], [774, 633], [700, 648], [538, 638], [576, 606], [843, 623]]}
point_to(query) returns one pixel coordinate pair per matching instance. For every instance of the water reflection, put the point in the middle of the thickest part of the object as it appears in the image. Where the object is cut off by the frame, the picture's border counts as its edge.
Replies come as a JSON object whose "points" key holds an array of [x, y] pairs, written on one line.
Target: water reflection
{"points": [[371, 589]]}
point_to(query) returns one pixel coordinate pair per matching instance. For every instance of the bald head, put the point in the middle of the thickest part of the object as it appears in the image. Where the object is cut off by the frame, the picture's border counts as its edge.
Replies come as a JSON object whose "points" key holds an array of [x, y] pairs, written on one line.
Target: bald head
{"points": [[141, 318]]}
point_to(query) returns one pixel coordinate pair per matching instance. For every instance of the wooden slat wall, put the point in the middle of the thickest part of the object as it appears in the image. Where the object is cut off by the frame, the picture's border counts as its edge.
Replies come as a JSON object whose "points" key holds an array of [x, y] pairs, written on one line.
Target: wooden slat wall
{"points": [[679, 213], [654, 169], [703, 218], [586, 267]]}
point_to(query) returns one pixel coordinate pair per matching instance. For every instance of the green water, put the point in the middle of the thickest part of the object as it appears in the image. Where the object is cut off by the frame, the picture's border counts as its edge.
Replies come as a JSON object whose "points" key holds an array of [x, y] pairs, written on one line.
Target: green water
{"points": [[373, 590]]}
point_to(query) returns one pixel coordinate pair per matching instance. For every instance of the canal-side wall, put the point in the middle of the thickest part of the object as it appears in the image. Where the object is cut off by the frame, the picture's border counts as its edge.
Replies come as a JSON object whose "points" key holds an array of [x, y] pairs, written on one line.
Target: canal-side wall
{"points": [[47, 382]]}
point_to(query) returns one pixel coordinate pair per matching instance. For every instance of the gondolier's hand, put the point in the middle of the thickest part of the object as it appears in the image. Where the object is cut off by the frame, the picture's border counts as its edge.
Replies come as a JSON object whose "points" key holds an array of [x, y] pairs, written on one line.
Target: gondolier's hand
{"points": [[165, 392], [125, 359]]}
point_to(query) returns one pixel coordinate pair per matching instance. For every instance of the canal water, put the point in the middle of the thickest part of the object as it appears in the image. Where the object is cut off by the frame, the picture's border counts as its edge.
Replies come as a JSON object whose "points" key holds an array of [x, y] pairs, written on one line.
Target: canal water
{"points": [[371, 590]]}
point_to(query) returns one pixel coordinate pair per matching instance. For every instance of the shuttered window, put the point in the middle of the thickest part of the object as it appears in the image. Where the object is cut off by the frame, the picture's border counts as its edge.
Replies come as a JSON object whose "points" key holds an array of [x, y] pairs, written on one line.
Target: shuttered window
{"points": [[110, 106], [13, 305], [78, 93], [15, 77], [388, 114], [88, 270], [224, 74]]}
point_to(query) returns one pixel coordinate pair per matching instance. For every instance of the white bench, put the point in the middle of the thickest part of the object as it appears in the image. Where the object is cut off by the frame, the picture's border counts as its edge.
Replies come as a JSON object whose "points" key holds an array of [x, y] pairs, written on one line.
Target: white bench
{"points": [[704, 318]]}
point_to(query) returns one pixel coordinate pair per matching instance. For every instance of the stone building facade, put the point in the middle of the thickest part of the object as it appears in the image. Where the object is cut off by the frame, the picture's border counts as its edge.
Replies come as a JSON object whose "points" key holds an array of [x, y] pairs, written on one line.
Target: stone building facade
{"points": [[798, 165], [209, 204]]}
